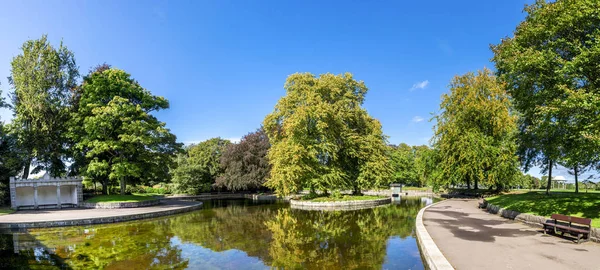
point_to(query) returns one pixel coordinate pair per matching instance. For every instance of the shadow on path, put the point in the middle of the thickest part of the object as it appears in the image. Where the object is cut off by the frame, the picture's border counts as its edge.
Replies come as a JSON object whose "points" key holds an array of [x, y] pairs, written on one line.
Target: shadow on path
{"points": [[463, 226]]}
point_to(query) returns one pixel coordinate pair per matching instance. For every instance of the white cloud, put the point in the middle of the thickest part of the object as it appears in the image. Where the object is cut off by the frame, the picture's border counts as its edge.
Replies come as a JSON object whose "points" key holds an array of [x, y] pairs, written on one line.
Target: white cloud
{"points": [[234, 140], [417, 119], [419, 85]]}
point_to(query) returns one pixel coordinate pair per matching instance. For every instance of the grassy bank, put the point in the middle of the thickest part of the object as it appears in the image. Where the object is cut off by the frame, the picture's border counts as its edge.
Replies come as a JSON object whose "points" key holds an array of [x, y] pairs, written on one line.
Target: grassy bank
{"points": [[538, 203], [119, 198], [345, 198], [6, 211], [416, 188]]}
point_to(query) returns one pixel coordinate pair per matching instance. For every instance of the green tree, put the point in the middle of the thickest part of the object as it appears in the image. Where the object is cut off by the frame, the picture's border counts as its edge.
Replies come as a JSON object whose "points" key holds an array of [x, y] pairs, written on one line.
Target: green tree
{"points": [[198, 168], [474, 133], [245, 164], [42, 78], [113, 126], [11, 162], [321, 137], [422, 154], [403, 162], [550, 67]]}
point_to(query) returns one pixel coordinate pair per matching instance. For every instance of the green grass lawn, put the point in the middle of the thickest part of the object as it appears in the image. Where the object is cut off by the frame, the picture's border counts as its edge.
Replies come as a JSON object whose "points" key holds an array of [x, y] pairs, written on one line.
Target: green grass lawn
{"points": [[345, 198], [416, 188], [119, 198], [6, 211], [538, 203], [581, 190]]}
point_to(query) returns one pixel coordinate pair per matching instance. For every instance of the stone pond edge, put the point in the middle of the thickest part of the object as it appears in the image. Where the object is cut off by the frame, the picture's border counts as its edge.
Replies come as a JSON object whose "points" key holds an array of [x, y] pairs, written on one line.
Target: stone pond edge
{"points": [[99, 220], [343, 205], [117, 205], [529, 219], [431, 254]]}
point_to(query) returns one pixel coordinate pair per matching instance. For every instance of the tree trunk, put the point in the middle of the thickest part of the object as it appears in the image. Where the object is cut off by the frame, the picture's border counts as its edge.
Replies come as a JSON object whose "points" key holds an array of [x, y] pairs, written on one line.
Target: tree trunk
{"points": [[122, 186], [576, 182], [549, 177], [468, 183], [105, 186], [475, 182], [26, 169]]}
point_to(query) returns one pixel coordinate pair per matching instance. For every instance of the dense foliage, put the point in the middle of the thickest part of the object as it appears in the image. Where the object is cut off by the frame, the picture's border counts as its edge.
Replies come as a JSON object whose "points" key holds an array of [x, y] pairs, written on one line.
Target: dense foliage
{"points": [[474, 134], [101, 128], [321, 138], [245, 164], [550, 67], [113, 126], [410, 164], [42, 78], [199, 166]]}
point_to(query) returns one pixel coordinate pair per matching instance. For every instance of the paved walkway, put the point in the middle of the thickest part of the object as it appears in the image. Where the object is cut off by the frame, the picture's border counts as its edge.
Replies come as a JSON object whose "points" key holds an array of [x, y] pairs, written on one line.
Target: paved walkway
{"points": [[95, 216], [471, 238]]}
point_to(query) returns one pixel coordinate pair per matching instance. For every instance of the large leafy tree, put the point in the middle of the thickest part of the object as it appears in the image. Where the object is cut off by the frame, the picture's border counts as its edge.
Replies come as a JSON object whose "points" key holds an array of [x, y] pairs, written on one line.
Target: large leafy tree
{"points": [[403, 162], [423, 155], [550, 67], [245, 164], [321, 137], [198, 168], [114, 128], [42, 78], [474, 134]]}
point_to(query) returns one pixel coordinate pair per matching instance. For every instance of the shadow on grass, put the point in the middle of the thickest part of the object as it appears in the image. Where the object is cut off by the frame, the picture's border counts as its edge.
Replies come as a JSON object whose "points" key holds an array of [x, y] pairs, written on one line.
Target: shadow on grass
{"points": [[538, 203]]}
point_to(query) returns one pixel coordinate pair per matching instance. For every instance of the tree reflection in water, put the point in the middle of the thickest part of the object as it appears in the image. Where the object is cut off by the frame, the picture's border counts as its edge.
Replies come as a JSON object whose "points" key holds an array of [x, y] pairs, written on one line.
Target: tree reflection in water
{"points": [[238, 233]]}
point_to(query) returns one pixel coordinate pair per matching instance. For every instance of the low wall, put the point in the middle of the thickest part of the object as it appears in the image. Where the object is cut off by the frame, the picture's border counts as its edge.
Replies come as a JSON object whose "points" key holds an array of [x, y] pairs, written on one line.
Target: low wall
{"points": [[529, 219], [344, 205], [99, 220], [116, 205], [258, 197], [431, 255]]}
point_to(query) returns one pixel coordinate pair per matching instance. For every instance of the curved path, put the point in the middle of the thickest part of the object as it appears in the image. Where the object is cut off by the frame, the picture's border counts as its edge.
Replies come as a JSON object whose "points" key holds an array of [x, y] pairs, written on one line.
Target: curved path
{"points": [[79, 216], [471, 238]]}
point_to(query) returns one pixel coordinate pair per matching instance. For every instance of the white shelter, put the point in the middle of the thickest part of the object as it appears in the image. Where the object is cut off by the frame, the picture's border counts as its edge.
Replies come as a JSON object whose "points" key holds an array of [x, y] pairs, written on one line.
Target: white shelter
{"points": [[46, 192], [559, 182]]}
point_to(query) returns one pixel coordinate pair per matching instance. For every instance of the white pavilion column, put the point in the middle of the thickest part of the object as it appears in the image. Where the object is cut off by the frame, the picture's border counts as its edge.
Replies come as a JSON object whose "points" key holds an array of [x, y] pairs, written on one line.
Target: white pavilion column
{"points": [[58, 195], [35, 197]]}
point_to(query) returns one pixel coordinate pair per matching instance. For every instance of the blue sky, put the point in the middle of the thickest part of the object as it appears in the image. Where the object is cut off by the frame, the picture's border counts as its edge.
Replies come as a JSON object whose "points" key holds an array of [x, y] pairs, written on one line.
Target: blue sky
{"points": [[222, 64]]}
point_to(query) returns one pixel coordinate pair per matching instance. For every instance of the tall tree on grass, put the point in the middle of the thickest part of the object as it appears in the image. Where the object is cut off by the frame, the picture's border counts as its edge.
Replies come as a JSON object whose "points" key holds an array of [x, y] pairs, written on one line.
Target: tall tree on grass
{"points": [[245, 164], [550, 67], [321, 137], [42, 78], [113, 125], [474, 133]]}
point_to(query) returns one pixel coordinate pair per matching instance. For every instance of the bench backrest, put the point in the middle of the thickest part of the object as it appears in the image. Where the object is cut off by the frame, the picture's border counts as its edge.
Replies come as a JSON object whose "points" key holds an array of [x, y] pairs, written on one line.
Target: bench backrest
{"points": [[578, 220]]}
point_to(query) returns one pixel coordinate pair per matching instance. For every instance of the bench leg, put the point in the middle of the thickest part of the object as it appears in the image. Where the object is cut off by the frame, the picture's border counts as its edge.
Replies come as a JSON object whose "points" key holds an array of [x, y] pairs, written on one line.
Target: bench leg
{"points": [[579, 238]]}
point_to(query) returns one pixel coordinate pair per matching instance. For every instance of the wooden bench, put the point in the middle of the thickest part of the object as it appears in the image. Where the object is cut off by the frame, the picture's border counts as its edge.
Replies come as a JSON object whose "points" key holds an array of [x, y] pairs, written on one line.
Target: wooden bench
{"points": [[575, 226]]}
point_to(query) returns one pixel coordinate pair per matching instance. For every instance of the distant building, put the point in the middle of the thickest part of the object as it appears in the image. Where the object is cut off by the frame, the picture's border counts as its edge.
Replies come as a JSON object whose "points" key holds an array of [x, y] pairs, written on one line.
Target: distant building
{"points": [[559, 182]]}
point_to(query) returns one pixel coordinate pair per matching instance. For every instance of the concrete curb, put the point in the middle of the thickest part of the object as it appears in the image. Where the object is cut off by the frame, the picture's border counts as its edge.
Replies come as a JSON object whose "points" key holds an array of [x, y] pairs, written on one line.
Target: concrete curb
{"points": [[529, 219], [98, 220], [431, 254], [344, 205]]}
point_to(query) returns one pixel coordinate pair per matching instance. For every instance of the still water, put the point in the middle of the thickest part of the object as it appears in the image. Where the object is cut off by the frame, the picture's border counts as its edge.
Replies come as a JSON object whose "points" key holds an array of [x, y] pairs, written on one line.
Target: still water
{"points": [[229, 234]]}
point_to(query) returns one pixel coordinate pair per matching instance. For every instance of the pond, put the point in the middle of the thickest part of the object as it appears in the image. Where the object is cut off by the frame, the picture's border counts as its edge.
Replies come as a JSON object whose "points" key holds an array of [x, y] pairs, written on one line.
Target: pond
{"points": [[229, 234]]}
